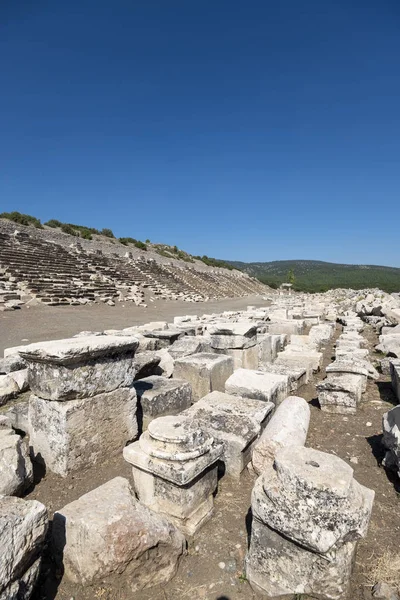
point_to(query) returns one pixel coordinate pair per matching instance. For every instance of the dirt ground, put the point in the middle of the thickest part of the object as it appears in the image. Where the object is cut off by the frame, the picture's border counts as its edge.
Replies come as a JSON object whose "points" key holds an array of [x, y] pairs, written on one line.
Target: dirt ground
{"points": [[214, 566], [39, 323]]}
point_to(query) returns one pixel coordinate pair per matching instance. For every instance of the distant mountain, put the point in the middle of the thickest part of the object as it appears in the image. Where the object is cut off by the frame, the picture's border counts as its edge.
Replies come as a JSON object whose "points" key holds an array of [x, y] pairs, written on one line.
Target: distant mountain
{"points": [[319, 276]]}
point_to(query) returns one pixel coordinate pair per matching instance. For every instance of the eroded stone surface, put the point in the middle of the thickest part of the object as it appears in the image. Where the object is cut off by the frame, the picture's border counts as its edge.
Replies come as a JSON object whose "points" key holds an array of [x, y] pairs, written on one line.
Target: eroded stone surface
{"points": [[15, 465], [205, 372], [107, 531], [158, 396], [68, 436], [268, 387]]}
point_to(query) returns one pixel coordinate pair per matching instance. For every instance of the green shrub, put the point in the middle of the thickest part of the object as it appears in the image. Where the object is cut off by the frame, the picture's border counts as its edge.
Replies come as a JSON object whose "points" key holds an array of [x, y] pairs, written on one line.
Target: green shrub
{"points": [[53, 223], [21, 219], [140, 245], [67, 228], [127, 240], [107, 233], [85, 234], [148, 241]]}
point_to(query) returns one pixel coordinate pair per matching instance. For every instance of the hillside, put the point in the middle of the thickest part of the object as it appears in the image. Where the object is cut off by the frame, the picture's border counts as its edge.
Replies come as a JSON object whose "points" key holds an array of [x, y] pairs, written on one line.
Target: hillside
{"points": [[319, 276]]}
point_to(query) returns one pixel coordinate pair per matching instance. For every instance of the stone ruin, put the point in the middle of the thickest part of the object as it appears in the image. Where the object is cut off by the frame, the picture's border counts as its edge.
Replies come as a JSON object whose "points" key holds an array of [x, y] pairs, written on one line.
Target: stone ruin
{"points": [[187, 403]]}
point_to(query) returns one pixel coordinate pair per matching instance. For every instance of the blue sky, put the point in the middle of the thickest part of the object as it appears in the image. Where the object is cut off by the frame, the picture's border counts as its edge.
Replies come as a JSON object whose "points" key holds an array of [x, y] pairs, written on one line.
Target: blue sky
{"points": [[251, 130]]}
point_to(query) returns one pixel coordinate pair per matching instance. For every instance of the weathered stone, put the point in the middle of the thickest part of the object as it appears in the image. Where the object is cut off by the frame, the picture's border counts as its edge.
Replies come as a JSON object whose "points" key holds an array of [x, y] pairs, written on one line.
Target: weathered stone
{"points": [[395, 376], [80, 367], [291, 326], [236, 422], [297, 376], [321, 334], [384, 591], [67, 436], [340, 392], [233, 335], [189, 345], [146, 364], [17, 416], [391, 439], [8, 389], [166, 365], [159, 396], [205, 372], [308, 514], [15, 465], [23, 527], [268, 387], [307, 358], [175, 470], [11, 363], [108, 532], [21, 379], [268, 348], [163, 338], [247, 358], [287, 427]]}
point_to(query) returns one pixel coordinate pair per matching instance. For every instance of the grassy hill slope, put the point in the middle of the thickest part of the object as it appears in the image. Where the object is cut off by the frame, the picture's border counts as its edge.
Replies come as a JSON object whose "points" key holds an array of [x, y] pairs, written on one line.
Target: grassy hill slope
{"points": [[318, 276]]}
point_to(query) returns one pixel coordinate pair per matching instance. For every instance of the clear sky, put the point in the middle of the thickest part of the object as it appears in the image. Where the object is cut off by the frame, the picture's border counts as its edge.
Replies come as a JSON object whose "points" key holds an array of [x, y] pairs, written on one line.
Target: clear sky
{"points": [[250, 130]]}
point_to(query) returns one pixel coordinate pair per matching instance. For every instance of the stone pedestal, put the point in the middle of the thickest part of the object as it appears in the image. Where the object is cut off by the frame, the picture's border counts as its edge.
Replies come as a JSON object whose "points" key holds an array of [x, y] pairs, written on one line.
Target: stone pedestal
{"points": [[175, 470], [238, 340], [308, 514], [205, 372], [83, 408]]}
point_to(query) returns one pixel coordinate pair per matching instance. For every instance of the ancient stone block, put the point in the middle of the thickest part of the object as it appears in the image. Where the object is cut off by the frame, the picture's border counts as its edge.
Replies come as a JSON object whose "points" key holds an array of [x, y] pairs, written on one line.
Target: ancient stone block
{"points": [[189, 345], [175, 470], [288, 426], [293, 356], [80, 367], [108, 532], [247, 358], [340, 392], [268, 387], [308, 514], [232, 335], [15, 464], [234, 421], [23, 527], [391, 439], [68, 436], [8, 388], [395, 376], [159, 396], [205, 372], [297, 376]]}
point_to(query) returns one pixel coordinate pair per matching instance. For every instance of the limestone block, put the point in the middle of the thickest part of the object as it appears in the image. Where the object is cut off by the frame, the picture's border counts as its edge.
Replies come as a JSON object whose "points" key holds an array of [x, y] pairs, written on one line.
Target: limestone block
{"points": [[321, 334], [278, 569], [166, 365], [355, 365], [159, 396], [391, 439], [340, 392], [309, 513], [12, 363], [233, 335], [15, 465], [8, 388], [297, 376], [395, 376], [175, 470], [268, 387], [17, 416], [205, 372], [21, 379], [67, 436], [346, 353], [291, 326], [189, 345], [309, 359], [267, 348], [288, 426], [163, 338], [23, 527], [247, 358], [304, 342], [108, 532], [80, 367], [146, 364], [236, 422]]}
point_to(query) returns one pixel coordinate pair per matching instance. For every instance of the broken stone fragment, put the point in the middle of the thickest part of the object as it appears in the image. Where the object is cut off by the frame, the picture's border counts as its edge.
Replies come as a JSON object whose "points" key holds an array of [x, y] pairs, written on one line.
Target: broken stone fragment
{"points": [[15, 465], [23, 527], [108, 532], [288, 426]]}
